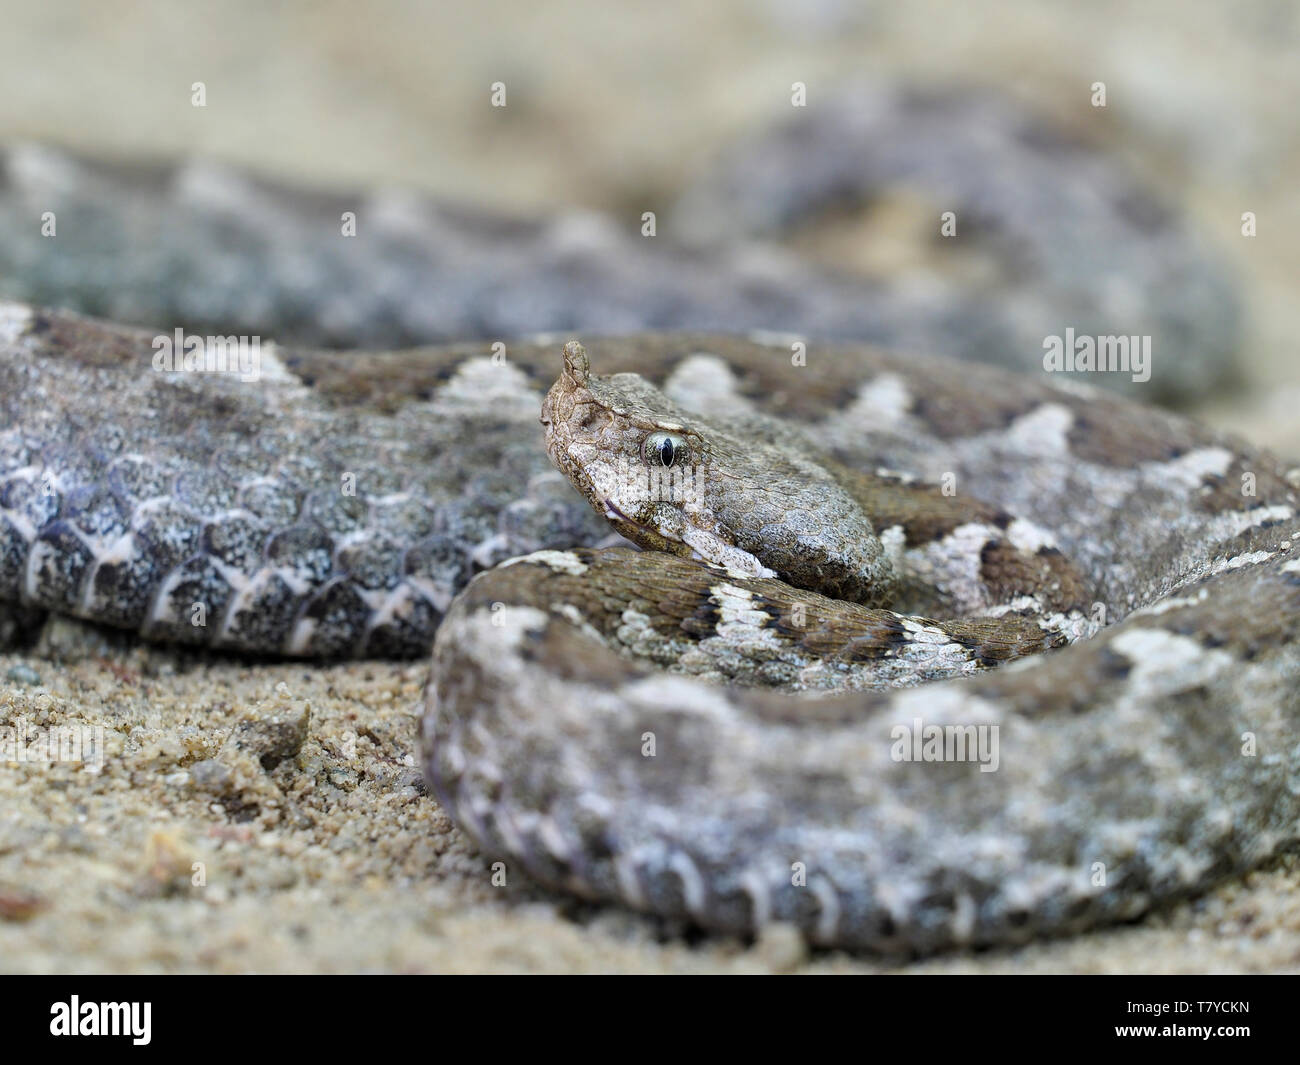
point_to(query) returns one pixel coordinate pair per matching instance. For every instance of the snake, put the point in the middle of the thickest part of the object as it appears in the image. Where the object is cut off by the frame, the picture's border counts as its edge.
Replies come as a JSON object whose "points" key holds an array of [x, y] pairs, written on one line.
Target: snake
{"points": [[1048, 228], [737, 629]]}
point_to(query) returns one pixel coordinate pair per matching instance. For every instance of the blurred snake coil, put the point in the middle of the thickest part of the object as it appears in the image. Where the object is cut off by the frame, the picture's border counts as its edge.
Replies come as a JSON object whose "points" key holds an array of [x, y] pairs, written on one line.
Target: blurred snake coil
{"points": [[918, 652]]}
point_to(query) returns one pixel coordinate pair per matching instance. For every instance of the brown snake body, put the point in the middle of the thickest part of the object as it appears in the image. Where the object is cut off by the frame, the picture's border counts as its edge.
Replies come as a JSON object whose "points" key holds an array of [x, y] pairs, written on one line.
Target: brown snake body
{"points": [[1038, 643]]}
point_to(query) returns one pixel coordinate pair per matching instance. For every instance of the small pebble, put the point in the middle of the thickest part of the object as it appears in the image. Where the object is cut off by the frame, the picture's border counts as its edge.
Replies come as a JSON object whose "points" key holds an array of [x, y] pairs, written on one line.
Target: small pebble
{"points": [[781, 946], [210, 776], [19, 904], [23, 674], [271, 734]]}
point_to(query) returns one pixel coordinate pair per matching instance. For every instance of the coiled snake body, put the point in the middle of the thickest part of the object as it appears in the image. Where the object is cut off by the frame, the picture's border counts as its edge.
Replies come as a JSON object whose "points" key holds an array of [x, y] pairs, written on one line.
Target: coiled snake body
{"points": [[1066, 623], [1130, 767]]}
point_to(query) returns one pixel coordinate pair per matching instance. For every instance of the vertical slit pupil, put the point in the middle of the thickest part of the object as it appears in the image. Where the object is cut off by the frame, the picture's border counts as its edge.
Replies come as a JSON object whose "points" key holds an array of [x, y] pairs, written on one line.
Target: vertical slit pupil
{"points": [[664, 450]]}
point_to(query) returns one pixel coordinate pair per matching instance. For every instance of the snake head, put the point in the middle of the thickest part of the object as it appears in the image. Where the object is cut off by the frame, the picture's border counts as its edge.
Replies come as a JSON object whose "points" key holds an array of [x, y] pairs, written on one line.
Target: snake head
{"points": [[746, 496], [625, 447]]}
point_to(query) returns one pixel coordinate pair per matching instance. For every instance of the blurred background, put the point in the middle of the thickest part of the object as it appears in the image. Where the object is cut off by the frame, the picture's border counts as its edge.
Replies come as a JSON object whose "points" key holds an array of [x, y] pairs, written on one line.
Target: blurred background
{"points": [[613, 107]]}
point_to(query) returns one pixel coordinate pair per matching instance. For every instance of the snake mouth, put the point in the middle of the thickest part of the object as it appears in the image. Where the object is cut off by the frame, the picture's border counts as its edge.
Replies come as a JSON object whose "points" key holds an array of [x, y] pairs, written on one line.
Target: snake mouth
{"points": [[697, 545], [647, 537], [617, 518]]}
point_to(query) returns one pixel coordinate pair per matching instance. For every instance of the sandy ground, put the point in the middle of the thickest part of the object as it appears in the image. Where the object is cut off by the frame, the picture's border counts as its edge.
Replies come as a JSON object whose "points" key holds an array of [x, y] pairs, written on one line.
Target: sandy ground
{"points": [[183, 852], [271, 817]]}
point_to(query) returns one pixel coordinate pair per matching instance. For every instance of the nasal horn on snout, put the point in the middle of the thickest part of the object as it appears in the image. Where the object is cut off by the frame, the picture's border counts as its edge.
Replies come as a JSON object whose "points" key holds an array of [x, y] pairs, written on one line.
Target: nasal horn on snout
{"points": [[577, 367]]}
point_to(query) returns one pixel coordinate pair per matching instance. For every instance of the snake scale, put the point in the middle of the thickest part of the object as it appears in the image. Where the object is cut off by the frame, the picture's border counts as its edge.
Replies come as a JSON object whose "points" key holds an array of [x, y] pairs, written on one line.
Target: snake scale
{"points": [[852, 558]]}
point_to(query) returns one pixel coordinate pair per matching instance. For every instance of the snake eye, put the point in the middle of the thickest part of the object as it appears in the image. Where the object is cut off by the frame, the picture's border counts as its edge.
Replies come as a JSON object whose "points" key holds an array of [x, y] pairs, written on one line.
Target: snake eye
{"points": [[664, 449]]}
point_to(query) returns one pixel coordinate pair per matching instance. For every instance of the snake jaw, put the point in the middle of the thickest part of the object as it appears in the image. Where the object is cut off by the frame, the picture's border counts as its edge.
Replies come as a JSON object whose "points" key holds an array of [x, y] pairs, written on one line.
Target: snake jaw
{"points": [[647, 535], [616, 517]]}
